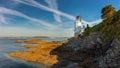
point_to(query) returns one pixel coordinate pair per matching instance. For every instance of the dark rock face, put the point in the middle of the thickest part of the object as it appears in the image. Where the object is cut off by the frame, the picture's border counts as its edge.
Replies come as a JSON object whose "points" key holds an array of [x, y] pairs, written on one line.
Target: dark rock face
{"points": [[92, 41], [111, 59], [89, 52]]}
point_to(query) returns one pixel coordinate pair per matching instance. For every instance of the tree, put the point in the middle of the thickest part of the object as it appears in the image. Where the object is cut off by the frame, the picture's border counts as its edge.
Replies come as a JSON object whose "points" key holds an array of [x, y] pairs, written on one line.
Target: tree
{"points": [[107, 11], [88, 26]]}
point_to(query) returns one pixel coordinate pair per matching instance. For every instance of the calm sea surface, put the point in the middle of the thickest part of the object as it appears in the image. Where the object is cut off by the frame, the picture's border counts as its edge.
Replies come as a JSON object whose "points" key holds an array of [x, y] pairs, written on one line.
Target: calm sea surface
{"points": [[8, 45]]}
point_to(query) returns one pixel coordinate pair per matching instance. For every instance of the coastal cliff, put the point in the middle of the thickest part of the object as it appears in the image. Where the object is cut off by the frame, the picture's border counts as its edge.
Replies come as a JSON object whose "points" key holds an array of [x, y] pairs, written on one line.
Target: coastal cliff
{"points": [[99, 47], [92, 52]]}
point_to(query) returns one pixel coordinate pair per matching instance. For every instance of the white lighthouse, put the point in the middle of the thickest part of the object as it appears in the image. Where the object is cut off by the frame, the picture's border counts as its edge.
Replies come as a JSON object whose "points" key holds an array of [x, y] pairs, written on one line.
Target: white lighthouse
{"points": [[78, 22], [78, 26]]}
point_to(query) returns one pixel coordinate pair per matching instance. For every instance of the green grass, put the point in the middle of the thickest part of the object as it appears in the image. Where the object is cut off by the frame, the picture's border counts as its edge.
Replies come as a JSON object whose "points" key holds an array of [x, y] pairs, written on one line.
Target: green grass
{"points": [[96, 28], [109, 28]]}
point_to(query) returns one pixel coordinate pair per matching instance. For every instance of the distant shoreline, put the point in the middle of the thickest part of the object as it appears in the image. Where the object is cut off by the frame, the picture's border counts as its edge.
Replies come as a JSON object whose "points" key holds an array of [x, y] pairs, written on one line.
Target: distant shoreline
{"points": [[35, 37]]}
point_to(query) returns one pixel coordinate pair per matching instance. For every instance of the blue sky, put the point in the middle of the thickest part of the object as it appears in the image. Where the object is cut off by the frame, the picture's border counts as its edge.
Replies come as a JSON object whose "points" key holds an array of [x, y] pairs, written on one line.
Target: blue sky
{"points": [[48, 17]]}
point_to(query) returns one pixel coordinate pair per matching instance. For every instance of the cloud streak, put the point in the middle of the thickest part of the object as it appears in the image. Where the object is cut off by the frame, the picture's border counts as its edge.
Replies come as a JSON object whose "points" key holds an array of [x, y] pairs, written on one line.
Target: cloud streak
{"points": [[53, 4], [16, 13], [3, 19], [92, 23], [40, 6]]}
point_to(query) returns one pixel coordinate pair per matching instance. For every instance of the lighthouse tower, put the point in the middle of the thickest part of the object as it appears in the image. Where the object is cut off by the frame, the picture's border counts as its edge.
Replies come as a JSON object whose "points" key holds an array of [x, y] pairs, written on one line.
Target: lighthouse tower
{"points": [[78, 28]]}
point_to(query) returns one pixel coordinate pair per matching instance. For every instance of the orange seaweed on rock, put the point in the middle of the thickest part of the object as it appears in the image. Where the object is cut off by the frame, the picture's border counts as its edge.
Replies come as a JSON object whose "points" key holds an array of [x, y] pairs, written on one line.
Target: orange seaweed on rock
{"points": [[19, 41], [40, 53]]}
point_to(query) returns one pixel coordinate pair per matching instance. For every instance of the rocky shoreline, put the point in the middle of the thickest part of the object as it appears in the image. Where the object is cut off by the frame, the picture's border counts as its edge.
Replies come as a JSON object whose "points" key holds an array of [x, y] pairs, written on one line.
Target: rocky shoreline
{"points": [[91, 51], [88, 53], [39, 53]]}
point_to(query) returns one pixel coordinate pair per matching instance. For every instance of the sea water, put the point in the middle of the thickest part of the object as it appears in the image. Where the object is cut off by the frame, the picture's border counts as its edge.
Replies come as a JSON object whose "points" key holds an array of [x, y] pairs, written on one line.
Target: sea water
{"points": [[8, 45]]}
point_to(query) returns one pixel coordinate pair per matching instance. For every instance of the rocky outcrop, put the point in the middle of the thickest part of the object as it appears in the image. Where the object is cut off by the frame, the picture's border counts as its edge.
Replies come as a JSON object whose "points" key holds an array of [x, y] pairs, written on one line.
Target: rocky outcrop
{"points": [[88, 52], [111, 59]]}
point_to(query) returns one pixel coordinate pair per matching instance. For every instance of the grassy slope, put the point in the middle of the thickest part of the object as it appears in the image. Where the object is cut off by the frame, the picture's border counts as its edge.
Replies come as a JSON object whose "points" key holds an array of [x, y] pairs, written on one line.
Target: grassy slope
{"points": [[109, 28]]}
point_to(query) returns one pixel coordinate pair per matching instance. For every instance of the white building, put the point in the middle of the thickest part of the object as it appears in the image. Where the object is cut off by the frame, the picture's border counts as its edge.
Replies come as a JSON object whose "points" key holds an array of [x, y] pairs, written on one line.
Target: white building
{"points": [[79, 28]]}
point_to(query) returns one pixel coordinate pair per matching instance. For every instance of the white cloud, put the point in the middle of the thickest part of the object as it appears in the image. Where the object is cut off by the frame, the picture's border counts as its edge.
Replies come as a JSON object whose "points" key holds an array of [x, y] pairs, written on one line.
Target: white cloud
{"points": [[53, 4], [16, 13], [40, 6], [53, 30], [20, 31], [92, 23], [3, 19]]}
